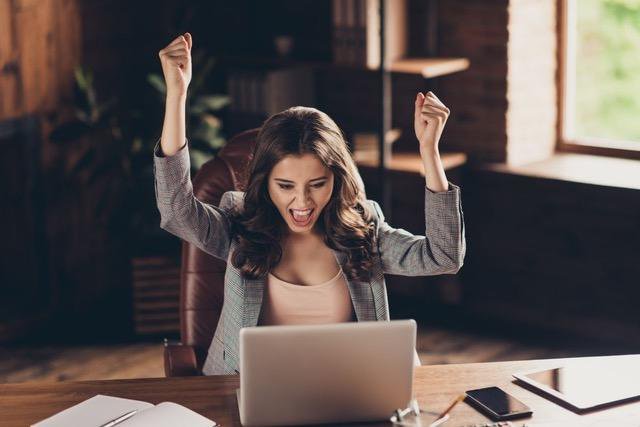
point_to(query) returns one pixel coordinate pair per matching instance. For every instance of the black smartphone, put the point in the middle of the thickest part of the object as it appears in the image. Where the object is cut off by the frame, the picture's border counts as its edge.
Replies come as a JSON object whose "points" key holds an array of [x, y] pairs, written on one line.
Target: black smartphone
{"points": [[497, 404]]}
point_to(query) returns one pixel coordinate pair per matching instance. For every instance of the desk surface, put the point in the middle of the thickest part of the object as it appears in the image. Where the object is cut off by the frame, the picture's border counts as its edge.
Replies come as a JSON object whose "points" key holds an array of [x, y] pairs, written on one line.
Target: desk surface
{"points": [[214, 397]]}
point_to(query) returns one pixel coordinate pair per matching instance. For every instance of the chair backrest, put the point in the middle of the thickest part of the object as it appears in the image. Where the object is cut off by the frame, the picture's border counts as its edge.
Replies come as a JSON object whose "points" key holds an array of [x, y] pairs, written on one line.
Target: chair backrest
{"points": [[202, 276]]}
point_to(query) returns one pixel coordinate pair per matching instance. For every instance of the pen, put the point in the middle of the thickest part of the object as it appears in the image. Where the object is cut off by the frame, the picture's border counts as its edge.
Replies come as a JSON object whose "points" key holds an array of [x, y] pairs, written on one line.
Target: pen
{"points": [[439, 421], [450, 407], [120, 419]]}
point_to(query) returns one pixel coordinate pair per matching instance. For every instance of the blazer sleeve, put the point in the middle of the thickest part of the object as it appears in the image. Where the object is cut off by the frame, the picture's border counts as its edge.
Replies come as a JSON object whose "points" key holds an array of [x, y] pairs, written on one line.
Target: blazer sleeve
{"points": [[206, 226], [440, 251]]}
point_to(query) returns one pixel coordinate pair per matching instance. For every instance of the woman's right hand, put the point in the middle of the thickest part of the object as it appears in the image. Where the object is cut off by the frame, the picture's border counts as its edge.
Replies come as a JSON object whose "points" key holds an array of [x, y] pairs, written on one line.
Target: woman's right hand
{"points": [[176, 65]]}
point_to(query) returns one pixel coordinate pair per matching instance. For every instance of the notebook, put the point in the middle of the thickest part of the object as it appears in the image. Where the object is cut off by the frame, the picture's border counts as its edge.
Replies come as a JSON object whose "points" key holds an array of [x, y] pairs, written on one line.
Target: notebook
{"points": [[101, 409]]}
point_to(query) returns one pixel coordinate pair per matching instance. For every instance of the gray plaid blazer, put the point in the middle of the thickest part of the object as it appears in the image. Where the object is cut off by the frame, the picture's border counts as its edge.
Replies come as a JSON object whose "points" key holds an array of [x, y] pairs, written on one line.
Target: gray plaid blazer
{"points": [[440, 251]]}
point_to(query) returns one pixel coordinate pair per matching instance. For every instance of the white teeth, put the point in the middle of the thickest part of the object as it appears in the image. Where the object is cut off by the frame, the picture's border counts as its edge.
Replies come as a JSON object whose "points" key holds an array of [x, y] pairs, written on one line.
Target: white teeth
{"points": [[301, 215]]}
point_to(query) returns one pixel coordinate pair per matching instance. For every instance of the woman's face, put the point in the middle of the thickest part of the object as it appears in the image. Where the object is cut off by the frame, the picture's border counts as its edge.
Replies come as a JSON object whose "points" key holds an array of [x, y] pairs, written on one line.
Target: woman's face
{"points": [[300, 187]]}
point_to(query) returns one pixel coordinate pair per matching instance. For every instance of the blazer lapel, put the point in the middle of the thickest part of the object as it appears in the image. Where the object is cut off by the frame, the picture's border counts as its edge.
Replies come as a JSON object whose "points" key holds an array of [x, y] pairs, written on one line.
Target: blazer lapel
{"points": [[254, 290], [361, 294], [247, 301]]}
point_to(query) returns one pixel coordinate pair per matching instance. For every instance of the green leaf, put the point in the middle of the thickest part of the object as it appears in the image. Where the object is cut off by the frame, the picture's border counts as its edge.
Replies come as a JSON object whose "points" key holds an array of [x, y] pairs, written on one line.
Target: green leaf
{"points": [[157, 82], [208, 130], [83, 116], [199, 158], [81, 80], [210, 102], [217, 142], [100, 110], [136, 145], [205, 133]]}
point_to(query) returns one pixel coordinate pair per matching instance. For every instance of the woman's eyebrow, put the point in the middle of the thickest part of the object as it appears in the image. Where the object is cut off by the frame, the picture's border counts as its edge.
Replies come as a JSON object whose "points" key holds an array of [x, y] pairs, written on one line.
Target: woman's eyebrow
{"points": [[293, 182]]}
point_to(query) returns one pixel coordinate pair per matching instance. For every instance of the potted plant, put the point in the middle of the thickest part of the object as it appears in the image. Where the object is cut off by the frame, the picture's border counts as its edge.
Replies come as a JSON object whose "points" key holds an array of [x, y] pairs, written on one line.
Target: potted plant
{"points": [[101, 205]]}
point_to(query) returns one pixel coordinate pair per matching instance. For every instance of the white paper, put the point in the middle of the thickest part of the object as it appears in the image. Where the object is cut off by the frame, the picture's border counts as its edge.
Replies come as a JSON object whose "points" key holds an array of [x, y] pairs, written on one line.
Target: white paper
{"points": [[94, 412]]}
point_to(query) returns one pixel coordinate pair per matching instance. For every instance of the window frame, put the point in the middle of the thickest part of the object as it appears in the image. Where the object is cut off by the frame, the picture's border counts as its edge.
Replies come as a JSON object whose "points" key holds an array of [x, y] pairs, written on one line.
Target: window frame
{"points": [[566, 142]]}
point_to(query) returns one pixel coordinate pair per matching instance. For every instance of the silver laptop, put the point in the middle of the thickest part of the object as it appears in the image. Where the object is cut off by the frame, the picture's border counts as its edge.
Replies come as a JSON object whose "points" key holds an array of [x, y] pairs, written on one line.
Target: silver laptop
{"points": [[311, 374]]}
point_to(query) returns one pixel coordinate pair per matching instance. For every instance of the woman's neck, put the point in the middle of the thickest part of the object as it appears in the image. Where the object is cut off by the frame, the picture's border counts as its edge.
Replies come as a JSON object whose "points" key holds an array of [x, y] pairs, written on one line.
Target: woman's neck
{"points": [[300, 239]]}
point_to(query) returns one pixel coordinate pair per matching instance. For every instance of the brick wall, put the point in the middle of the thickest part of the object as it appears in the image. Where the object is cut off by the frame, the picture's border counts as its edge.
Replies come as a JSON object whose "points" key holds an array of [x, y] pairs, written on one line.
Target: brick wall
{"points": [[531, 81], [552, 254], [477, 97], [503, 107]]}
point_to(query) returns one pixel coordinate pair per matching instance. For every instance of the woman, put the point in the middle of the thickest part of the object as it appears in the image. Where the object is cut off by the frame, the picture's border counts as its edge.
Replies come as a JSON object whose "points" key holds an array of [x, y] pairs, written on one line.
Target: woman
{"points": [[302, 245]]}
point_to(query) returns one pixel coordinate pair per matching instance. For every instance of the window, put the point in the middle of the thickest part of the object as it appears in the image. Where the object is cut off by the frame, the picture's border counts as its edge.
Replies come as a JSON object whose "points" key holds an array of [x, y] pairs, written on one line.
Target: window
{"points": [[600, 77]]}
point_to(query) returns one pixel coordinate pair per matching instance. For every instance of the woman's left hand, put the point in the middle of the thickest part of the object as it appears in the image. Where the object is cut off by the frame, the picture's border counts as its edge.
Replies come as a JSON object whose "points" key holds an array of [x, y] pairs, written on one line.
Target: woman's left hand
{"points": [[429, 119]]}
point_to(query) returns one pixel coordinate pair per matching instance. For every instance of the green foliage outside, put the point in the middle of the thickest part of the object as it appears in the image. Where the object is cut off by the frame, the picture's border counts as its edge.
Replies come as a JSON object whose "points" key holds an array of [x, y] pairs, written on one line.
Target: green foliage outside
{"points": [[608, 69]]}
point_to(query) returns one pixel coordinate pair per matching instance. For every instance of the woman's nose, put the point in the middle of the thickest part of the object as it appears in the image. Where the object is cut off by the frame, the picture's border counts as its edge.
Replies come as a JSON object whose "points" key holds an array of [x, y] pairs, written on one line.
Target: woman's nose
{"points": [[303, 194]]}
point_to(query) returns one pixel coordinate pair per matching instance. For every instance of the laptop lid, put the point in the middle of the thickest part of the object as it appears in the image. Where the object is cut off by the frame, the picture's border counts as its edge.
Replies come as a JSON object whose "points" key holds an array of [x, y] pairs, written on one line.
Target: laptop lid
{"points": [[308, 374]]}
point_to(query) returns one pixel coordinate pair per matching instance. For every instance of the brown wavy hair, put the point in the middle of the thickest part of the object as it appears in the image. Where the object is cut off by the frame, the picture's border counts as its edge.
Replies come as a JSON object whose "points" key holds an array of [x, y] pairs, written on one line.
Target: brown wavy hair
{"points": [[346, 221]]}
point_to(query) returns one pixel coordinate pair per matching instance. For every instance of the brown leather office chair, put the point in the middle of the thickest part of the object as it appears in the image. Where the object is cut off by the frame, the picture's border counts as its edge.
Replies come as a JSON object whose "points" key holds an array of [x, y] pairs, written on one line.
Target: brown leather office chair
{"points": [[202, 276]]}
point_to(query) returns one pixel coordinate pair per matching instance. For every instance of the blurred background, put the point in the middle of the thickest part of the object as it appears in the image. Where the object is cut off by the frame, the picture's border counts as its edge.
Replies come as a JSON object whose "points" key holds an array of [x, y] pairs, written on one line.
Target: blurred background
{"points": [[543, 138]]}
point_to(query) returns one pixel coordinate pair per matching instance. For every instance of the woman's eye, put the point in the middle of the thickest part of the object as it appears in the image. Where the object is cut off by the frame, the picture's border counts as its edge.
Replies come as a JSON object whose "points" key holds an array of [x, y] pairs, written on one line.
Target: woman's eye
{"points": [[288, 187]]}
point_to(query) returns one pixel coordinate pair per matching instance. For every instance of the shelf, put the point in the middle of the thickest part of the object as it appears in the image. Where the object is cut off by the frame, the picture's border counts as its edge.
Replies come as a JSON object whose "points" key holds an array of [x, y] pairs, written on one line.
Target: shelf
{"points": [[429, 67], [412, 162]]}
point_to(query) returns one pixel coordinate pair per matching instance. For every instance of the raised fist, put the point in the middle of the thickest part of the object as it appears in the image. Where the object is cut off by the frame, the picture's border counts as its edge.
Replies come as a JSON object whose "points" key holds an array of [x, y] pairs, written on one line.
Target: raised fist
{"points": [[176, 64], [430, 117]]}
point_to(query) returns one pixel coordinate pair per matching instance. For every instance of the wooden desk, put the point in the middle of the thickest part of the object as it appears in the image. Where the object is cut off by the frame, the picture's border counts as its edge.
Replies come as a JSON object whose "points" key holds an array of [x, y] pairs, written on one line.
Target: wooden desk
{"points": [[214, 397]]}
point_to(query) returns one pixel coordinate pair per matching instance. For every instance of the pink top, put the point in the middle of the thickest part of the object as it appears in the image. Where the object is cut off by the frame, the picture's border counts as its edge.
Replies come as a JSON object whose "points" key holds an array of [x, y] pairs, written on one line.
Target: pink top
{"points": [[289, 304]]}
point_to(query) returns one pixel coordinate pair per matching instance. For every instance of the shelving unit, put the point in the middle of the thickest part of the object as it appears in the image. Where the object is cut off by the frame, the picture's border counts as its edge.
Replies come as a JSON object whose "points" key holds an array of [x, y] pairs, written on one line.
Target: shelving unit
{"points": [[392, 24], [366, 34]]}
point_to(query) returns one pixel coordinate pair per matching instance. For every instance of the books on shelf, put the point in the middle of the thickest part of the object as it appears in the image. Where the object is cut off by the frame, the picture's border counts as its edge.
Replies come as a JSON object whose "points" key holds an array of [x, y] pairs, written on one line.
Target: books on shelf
{"points": [[356, 32], [266, 91], [366, 145], [100, 410]]}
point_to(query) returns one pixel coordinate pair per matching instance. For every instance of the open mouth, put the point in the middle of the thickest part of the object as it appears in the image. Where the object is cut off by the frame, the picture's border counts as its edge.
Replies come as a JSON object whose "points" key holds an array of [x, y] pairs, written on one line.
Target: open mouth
{"points": [[301, 217]]}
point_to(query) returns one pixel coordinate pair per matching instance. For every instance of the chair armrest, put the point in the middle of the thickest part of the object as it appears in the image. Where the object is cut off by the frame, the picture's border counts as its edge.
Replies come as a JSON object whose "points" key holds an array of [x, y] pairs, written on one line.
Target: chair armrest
{"points": [[180, 360]]}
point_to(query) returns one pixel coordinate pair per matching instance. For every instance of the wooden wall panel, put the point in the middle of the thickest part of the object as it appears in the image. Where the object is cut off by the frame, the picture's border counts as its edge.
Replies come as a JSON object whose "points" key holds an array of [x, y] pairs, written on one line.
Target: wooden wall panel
{"points": [[67, 46], [9, 81], [39, 47]]}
